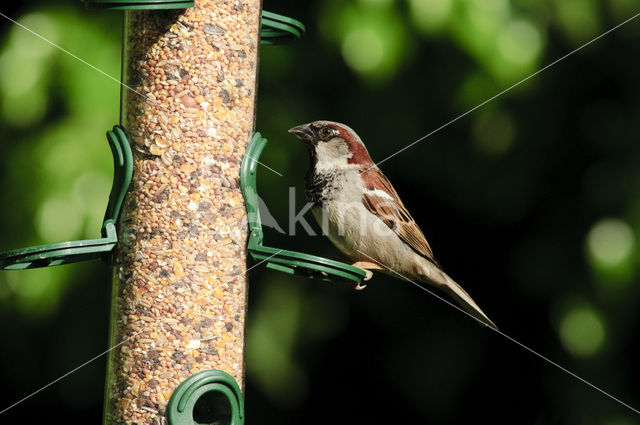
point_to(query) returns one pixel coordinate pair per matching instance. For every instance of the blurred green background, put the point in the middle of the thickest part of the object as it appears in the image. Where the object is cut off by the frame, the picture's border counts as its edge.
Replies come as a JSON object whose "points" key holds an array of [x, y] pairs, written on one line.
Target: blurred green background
{"points": [[531, 202]]}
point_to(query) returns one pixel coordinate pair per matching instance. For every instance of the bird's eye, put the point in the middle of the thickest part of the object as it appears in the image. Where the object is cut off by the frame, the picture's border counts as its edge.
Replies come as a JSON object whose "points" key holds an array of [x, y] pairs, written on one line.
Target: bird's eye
{"points": [[326, 132]]}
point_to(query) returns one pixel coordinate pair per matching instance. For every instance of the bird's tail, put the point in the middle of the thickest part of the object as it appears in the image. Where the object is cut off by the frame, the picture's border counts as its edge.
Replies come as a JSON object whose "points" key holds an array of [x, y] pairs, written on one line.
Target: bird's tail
{"points": [[444, 282]]}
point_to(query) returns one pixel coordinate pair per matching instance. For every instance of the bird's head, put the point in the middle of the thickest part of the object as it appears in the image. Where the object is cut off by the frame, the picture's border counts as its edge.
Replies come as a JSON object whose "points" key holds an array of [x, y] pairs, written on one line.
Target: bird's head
{"points": [[333, 144]]}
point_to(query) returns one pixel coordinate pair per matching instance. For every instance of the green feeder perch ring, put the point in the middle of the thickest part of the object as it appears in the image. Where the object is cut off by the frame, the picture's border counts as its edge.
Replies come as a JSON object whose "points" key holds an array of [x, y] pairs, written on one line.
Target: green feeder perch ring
{"points": [[209, 396], [276, 29], [279, 259], [70, 252]]}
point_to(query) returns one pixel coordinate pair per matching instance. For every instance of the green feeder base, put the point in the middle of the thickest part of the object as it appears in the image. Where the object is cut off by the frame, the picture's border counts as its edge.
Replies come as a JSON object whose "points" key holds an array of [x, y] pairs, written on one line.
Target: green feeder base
{"points": [[70, 252], [279, 259]]}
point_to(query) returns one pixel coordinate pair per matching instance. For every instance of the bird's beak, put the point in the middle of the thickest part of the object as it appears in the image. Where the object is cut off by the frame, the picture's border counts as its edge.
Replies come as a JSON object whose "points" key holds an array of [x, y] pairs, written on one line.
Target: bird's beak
{"points": [[302, 132]]}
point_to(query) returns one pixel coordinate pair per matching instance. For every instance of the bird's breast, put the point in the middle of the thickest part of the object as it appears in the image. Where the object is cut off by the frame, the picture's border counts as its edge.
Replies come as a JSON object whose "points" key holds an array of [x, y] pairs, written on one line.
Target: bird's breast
{"points": [[322, 187]]}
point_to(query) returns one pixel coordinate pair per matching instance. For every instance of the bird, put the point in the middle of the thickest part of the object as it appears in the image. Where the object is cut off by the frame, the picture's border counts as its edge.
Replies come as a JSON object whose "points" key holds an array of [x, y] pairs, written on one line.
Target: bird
{"points": [[362, 215]]}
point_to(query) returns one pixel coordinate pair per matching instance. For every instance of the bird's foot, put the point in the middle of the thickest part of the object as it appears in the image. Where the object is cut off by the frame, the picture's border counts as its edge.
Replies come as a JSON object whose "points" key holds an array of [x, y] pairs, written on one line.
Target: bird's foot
{"points": [[367, 266]]}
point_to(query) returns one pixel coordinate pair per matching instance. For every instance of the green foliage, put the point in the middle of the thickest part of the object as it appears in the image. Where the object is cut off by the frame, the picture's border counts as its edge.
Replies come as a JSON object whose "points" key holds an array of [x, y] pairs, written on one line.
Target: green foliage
{"points": [[370, 34], [56, 110]]}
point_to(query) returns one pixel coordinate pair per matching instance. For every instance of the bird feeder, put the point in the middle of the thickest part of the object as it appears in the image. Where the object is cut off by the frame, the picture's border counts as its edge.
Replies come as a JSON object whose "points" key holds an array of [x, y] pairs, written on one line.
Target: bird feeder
{"points": [[180, 289], [173, 229]]}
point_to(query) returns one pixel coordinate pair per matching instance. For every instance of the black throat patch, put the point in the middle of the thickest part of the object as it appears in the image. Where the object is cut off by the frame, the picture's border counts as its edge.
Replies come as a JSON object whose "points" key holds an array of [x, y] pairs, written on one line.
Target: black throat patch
{"points": [[320, 187]]}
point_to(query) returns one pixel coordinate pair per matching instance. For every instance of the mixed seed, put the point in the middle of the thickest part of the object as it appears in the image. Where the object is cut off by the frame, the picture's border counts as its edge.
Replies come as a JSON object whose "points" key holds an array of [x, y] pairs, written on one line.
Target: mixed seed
{"points": [[180, 292]]}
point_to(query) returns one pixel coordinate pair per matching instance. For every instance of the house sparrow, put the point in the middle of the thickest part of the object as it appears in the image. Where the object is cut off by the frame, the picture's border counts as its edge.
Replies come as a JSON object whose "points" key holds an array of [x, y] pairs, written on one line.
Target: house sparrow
{"points": [[361, 213]]}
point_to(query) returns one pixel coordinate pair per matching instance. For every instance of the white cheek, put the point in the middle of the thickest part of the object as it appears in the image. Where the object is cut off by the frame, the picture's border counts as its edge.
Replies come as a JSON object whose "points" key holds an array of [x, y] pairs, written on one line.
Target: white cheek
{"points": [[333, 154]]}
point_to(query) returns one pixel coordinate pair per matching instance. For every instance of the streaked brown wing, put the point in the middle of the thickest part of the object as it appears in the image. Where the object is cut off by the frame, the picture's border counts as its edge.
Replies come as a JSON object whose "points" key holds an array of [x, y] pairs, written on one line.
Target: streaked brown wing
{"points": [[393, 213]]}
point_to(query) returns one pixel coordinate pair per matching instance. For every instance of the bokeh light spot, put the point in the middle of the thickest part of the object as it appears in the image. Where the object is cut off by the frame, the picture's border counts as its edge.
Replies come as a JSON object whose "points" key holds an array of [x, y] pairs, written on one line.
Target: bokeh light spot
{"points": [[17, 79], [494, 6], [362, 49], [486, 16], [582, 331], [23, 110], [377, 2], [58, 221], [610, 242], [28, 44], [430, 14], [24, 68], [579, 18], [90, 197], [29, 283], [519, 42]]}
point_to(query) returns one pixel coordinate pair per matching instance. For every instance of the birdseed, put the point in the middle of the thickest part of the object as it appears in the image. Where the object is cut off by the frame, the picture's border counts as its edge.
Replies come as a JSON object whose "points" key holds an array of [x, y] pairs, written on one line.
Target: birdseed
{"points": [[179, 291]]}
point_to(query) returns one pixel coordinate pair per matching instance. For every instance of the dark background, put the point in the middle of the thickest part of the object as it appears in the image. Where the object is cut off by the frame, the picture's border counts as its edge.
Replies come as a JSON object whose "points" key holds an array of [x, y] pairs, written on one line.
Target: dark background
{"points": [[531, 202]]}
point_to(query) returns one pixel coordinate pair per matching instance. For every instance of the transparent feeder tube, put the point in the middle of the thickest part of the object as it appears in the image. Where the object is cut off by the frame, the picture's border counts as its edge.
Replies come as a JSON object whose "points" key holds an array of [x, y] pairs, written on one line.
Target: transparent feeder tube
{"points": [[179, 290]]}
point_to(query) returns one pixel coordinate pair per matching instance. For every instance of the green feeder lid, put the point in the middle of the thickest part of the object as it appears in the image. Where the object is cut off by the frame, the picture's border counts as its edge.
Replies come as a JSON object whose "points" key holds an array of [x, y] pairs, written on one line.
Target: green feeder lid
{"points": [[278, 259], [141, 4], [209, 396], [70, 252], [274, 28]]}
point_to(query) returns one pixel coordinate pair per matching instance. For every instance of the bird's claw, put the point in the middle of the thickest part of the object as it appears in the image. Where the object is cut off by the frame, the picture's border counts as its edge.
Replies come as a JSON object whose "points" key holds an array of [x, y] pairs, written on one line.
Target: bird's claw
{"points": [[364, 266], [359, 287]]}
